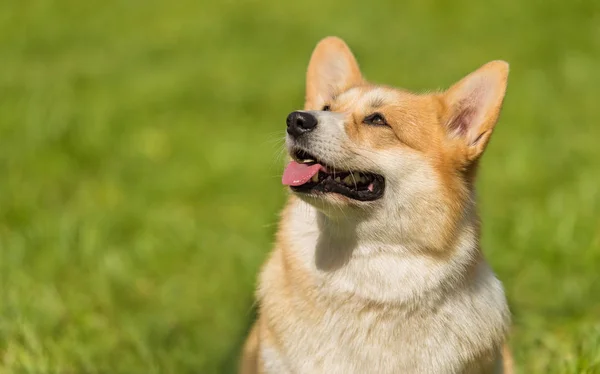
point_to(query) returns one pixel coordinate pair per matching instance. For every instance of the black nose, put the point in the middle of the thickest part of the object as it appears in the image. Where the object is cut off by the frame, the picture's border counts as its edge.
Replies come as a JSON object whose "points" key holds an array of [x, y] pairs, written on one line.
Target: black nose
{"points": [[300, 122]]}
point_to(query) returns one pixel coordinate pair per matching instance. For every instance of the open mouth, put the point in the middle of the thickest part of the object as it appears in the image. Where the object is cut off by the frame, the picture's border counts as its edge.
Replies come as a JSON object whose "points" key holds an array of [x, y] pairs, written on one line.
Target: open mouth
{"points": [[306, 174]]}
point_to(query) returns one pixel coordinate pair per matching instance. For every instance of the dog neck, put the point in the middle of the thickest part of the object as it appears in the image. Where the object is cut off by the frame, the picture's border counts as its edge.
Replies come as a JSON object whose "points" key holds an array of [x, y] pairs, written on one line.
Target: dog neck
{"points": [[372, 259]]}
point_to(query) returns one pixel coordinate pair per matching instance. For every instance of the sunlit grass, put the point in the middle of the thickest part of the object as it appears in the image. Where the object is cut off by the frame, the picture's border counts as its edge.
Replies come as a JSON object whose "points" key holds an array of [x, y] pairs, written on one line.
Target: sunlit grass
{"points": [[140, 155]]}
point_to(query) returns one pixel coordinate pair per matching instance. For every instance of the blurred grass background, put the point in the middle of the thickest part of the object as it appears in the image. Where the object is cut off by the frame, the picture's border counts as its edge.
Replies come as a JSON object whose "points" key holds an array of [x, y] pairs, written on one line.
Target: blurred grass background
{"points": [[139, 145]]}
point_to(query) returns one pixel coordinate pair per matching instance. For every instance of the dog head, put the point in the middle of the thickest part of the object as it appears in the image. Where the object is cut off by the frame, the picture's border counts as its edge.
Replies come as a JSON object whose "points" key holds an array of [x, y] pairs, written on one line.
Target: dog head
{"points": [[364, 148]]}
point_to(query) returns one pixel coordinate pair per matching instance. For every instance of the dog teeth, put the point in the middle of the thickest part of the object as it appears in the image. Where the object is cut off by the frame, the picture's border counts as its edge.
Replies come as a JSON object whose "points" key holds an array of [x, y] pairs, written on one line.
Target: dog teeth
{"points": [[315, 178], [357, 177], [353, 179]]}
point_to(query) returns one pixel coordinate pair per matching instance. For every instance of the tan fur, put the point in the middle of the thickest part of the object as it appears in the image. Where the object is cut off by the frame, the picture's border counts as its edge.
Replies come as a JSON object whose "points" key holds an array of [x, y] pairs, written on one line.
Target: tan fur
{"points": [[249, 363], [507, 360], [399, 284]]}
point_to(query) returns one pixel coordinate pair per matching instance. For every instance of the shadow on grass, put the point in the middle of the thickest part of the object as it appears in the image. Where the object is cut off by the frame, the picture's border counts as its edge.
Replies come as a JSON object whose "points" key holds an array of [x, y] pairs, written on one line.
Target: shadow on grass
{"points": [[230, 363]]}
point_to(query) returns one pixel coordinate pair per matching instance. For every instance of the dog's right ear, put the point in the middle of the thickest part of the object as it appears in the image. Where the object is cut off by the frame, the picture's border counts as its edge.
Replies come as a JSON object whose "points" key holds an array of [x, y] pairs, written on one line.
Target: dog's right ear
{"points": [[332, 69]]}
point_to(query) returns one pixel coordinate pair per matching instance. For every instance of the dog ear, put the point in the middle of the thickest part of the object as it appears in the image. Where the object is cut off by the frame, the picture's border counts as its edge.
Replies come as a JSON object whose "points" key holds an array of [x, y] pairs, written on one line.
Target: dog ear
{"points": [[472, 106], [331, 70]]}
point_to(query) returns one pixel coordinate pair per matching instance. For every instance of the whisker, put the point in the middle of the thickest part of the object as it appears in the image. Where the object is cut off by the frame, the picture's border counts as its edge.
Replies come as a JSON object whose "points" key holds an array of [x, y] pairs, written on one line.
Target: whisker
{"points": [[352, 174]]}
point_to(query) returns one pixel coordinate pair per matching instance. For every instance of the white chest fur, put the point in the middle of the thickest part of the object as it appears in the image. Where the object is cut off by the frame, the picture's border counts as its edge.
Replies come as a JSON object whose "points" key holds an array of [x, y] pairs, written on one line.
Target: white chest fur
{"points": [[381, 309]]}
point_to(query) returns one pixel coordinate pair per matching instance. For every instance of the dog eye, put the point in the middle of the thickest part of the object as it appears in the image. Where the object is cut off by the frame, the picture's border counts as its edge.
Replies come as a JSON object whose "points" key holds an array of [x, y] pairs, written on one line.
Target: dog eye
{"points": [[375, 119], [326, 108]]}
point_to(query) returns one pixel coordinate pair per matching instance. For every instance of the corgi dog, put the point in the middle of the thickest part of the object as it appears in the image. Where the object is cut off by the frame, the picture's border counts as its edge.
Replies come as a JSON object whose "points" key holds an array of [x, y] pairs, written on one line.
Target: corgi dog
{"points": [[377, 266]]}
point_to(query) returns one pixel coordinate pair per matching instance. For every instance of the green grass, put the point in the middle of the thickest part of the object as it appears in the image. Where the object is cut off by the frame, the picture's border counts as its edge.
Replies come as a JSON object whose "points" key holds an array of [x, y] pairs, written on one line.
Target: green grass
{"points": [[139, 145]]}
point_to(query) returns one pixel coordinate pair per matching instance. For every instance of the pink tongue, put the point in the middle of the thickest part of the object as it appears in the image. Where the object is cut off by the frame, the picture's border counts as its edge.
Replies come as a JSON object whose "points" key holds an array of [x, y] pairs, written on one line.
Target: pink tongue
{"points": [[296, 174]]}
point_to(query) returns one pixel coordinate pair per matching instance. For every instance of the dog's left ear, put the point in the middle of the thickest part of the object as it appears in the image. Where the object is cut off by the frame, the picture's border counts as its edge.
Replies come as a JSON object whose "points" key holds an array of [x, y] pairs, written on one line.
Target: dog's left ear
{"points": [[331, 70], [472, 106]]}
